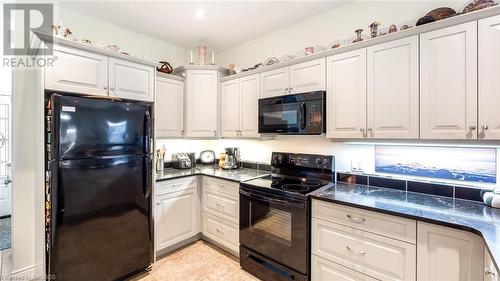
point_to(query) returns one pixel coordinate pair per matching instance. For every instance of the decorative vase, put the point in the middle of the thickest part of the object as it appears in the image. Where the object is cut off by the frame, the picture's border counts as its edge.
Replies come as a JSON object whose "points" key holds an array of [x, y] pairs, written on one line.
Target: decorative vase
{"points": [[202, 54]]}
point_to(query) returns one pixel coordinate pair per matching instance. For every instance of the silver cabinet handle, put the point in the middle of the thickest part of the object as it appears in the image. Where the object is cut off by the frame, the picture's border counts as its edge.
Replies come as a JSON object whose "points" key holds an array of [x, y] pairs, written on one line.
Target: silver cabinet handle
{"points": [[484, 127], [219, 205], [106, 88], [112, 88], [290, 90], [472, 128], [356, 219], [182, 132], [359, 253], [215, 133], [158, 203]]}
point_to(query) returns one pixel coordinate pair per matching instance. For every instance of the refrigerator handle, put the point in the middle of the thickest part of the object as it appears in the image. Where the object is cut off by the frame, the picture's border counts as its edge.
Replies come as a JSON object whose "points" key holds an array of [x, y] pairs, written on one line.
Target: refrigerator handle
{"points": [[147, 145], [149, 177]]}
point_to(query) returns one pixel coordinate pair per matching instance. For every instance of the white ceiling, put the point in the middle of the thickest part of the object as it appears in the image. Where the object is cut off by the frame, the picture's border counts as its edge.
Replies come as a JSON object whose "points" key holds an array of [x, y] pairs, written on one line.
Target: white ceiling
{"points": [[225, 23]]}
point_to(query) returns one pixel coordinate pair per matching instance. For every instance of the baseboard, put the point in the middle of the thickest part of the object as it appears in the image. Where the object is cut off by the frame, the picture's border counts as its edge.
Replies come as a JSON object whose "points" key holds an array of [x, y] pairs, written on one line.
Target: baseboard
{"points": [[163, 252], [32, 272]]}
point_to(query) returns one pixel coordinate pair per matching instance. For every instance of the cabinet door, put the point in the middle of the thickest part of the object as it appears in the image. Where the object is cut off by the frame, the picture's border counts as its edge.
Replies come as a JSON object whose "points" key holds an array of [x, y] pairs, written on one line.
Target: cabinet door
{"points": [[392, 90], [130, 80], [490, 271], [308, 76], [177, 217], [275, 82], [78, 72], [249, 94], [445, 254], [346, 95], [169, 107], [489, 82], [230, 108], [201, 103], [448, 83]]}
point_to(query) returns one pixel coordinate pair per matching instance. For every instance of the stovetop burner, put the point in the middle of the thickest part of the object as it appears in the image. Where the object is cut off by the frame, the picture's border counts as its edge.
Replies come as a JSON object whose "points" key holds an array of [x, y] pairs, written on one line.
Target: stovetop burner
{"points": [[286, 186]]}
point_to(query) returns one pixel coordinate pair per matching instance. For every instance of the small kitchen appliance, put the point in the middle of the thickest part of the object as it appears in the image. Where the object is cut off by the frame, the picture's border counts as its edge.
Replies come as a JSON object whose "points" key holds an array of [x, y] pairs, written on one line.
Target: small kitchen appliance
{"points": [[232, 160], [183, 160], [275, 216], [299, 114]]}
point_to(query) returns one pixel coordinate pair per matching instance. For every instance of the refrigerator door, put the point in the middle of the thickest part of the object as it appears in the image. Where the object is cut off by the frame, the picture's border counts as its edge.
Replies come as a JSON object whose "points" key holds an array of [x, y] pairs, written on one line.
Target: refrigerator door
{"points": [[91, 127], [103, 224]]}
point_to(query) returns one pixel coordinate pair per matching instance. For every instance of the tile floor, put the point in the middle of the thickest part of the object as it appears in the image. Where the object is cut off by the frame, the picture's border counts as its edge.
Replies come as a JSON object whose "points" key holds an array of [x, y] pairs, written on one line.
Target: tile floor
{"points": [[5, 233], [199, 261]]}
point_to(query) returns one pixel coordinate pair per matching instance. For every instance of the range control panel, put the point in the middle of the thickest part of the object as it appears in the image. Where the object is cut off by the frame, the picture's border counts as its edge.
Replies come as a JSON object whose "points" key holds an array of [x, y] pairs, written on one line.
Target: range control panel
{"points": [[289, 160]]}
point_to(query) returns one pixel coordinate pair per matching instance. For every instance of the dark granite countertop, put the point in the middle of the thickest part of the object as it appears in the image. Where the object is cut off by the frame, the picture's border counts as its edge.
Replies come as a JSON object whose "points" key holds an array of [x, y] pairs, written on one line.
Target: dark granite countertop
{"points": [[457, 213], [236, 175]]}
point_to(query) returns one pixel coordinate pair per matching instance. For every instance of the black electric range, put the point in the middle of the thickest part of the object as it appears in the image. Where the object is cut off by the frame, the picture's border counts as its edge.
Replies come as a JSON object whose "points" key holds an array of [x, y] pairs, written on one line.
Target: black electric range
{"points": [[275, 216]]}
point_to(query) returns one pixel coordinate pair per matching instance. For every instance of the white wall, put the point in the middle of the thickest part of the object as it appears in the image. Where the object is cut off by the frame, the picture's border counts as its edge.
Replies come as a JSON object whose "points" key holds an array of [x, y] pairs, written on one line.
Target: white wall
{"points": [[96, 30], [336, 24]]}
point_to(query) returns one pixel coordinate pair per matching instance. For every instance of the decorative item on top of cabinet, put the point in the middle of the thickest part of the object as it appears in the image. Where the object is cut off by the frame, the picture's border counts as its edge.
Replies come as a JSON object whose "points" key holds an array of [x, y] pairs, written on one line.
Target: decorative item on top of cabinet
{"points": [[201, 103], [448, 91], [488, 73], [165, 67], [169, 120], [202, 53], [374, 29], [448, 254], [359, 33], [478, 5], [346, 95], [392, 89]]}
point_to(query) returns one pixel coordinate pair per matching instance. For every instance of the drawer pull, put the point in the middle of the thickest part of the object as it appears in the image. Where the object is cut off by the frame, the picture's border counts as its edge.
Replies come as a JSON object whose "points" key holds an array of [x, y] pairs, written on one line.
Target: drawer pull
{"points": [[356, 219], [218, 231], [219, 205], [488, 271], [359, 253]]}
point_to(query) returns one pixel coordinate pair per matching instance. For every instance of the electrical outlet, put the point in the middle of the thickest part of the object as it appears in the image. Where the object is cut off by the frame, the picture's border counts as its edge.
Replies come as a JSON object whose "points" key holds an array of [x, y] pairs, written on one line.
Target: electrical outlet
{"points": [[357, 166]]}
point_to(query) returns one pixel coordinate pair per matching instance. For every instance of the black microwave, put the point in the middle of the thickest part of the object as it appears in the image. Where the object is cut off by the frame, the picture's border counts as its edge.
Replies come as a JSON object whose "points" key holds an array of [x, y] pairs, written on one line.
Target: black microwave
{"points": [[299, 114]]}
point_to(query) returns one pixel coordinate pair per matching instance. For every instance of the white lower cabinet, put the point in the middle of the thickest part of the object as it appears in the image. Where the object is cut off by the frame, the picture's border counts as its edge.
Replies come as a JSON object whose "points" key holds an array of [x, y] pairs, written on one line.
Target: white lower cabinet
{"points": [[221, 231], [325, 270], [490, 271], [176, 214], [446, 254]]}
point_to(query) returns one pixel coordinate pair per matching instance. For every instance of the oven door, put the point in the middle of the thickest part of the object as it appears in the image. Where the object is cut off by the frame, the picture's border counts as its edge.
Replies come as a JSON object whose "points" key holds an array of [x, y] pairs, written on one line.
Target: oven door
{"points": [[275, 227]]}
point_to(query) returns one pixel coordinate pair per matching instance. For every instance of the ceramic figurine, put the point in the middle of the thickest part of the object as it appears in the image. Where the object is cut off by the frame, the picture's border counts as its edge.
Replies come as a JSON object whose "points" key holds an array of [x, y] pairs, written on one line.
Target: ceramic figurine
{"points": [[492, 198], [393, 28], [374, 28], [478, 5], [405, 26], [335, 45], [309, 50], [358, 35]]}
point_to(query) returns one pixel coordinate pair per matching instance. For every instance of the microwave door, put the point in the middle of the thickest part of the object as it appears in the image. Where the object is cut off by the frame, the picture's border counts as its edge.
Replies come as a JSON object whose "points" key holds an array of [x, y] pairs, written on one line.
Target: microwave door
{"points": [[280, 118]]}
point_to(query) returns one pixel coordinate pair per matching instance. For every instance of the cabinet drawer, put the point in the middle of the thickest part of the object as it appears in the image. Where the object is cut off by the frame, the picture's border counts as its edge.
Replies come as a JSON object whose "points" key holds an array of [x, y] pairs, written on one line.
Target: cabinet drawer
{"points": [[228, 187], [387, 225], [163, 187], [221, 204], [325, 270], [221, 231], [374, 255]]}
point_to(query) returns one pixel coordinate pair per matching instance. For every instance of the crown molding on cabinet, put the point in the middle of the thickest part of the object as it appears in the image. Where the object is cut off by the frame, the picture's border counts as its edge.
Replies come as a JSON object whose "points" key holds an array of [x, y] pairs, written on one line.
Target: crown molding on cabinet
{"points": [[416, 30], [91, 48], [169, 76], [179, 70]]}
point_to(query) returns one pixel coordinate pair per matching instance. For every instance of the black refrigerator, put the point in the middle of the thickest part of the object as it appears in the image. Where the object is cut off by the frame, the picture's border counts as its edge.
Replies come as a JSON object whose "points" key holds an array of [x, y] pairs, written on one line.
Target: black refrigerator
{"points": [[98, 188]]}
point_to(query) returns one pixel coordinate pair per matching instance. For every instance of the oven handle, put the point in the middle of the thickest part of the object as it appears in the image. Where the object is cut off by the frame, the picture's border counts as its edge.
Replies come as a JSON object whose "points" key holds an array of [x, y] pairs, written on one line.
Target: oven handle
{"points": [[303, 115], [286, 203]]}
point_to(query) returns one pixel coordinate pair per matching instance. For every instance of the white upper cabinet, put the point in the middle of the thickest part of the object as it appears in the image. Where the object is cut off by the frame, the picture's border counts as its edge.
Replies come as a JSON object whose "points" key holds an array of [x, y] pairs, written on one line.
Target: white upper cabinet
{"points": [[201, 103], [249, 97], [445, 254], [346, 95], [489, 78], [392, 89], [308, 76], [448, 83], [169, 107], [230, 111], [78, 72], [131, 80], [275, 82]]}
